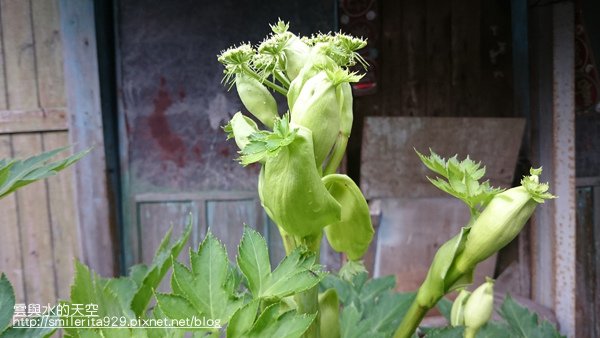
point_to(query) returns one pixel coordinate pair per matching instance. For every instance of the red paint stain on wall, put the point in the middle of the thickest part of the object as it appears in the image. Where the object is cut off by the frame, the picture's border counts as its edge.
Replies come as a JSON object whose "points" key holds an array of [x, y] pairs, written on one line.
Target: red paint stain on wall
{"points": [[171, 145]]}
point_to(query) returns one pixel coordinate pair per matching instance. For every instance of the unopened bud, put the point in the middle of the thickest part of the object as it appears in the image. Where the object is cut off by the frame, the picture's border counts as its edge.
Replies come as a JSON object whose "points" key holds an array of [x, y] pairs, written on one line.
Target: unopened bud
{"points": [[457, 314], [479, 307]]}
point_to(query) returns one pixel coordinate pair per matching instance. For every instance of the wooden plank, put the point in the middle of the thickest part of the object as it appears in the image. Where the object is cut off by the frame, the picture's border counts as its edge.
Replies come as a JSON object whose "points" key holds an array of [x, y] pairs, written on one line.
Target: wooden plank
{"points": [[34, 224], [3, 89], [390, 167], [195, 196], [63, 218], [25, 121], [465, 58], [11, 261], [20, 63], [438, 57], [226, 220], [413, 92], [48, 52], [154, 222], [97, 227], [390, 71]]}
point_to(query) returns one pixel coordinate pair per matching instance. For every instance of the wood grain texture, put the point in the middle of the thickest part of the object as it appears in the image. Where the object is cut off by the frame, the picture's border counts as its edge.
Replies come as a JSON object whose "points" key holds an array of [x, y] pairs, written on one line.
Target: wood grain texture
{"points": [[19, 54], [64, 227], [35, 228], [48, 52], [18, 121], [85, 127], [3, 89], [438, 58], [226, 220], [11, 261], [466, 69], [390, 167]]}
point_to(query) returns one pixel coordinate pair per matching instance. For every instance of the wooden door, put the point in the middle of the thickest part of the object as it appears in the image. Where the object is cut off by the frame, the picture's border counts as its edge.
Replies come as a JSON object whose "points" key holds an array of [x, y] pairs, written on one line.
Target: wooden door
{"points": [[174, 156], [41, 231]]}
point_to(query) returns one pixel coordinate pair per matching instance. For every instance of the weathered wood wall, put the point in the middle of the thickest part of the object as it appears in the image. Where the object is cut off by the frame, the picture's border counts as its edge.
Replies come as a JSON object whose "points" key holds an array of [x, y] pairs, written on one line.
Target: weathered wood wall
{"points": [[439, 58], [38, 225]]}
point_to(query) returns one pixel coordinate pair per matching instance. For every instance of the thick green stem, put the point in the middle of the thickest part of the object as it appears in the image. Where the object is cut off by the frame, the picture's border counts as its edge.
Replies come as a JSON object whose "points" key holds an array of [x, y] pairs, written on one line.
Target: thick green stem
{"points": [[411, 321], [307, 301]]}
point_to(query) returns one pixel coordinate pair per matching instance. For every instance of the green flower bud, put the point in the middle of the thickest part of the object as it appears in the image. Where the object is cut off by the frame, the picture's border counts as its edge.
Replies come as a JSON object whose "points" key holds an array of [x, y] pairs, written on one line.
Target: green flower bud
{"points": [[296, 53], [240, 128], [457, 317], [479, 308], [354, 232], [316, 63], [318, 110], [502, 220], [257, 99], [292, 191]]}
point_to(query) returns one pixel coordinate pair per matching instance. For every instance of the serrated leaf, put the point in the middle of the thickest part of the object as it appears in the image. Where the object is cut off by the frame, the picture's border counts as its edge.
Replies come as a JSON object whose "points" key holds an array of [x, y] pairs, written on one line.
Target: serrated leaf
{"points": [[7, 302], [161, 263], [243, 319], [271, 323], [205, 284], [176, 306], [524, 323], [253, 260], [296, 273]]}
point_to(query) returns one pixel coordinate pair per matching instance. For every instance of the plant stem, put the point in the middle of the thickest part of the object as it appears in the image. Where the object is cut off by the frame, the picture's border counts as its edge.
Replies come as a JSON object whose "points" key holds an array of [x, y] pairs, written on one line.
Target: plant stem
{"points": [[307, 301], [282, 78], [273, 86], [411, 320]]}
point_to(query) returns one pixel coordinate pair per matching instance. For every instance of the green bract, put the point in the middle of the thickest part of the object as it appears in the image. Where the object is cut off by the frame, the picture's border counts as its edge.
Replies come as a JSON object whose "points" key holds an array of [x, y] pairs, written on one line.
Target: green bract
{"points": [[354, 232], [257, 99], [292, 190], [457, 314]]}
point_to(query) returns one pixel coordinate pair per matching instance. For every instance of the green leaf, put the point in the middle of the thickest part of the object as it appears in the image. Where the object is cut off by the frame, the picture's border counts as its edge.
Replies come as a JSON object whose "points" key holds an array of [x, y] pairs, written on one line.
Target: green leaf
{"points": [[445, 307], [271, 323], [445, 332], [176, 306], [204, 285], [32, 332], [495, 330], [7, 302], [243, 319], [460, 179], [159, 267], [297, 272], [253, 260], [263, 144], [354, 232], [524, 323], [18, 173]]}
